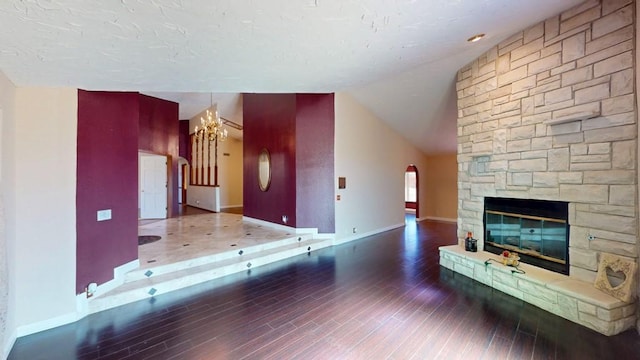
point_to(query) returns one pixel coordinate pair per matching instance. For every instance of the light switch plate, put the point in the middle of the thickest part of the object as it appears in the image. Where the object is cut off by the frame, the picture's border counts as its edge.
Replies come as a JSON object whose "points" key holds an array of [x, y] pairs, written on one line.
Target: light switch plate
{"points": [[104, 215]]}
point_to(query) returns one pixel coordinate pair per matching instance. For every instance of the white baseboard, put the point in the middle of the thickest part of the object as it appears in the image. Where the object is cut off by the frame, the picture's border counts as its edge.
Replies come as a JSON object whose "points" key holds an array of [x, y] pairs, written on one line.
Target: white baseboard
{"points": [[120, 271], [435, 218], [82, 302], [36, 327], [313, 231], [369, 233], [230, 206], [8, 344], [327, 236]]}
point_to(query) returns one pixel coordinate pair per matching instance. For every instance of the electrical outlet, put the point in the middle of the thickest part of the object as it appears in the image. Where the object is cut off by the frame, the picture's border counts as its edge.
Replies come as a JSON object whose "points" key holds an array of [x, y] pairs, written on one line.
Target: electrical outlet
{"points": [[91, 289]]}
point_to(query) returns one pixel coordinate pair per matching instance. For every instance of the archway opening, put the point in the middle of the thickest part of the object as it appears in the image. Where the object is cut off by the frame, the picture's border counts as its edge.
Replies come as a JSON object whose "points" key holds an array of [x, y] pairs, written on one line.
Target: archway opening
{"points": [[411, 191]]}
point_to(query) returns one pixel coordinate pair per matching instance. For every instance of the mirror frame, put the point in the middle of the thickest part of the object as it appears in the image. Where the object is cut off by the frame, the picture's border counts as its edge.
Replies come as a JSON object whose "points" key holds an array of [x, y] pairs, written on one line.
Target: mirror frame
{"points": [[264, 169]]}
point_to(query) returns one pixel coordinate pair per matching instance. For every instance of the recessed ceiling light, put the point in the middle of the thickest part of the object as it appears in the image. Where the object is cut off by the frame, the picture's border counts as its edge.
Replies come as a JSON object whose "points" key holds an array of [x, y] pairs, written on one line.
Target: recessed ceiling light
{"points": [[475, 38]]}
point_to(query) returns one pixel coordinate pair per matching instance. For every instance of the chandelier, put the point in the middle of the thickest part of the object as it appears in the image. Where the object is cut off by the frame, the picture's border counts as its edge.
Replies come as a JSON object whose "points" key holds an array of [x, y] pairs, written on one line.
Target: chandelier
{"points": [[211, 127]]}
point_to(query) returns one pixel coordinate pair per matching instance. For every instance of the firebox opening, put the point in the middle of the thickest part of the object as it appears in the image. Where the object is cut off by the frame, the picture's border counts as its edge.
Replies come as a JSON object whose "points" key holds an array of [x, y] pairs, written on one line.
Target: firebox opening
{"points": [[538, 230]]}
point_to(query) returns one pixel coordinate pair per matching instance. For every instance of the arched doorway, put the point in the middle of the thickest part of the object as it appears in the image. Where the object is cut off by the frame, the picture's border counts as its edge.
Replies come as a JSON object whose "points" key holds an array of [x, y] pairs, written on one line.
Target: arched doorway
{"points": [[411, 190]]}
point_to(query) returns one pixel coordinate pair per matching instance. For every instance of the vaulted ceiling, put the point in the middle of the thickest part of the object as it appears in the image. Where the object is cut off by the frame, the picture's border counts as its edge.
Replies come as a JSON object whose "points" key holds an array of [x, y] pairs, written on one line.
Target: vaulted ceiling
{"points": [[397, 58]]}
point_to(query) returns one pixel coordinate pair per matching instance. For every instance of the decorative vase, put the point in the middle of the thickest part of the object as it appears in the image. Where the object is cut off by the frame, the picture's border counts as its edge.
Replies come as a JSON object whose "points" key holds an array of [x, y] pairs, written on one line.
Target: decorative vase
{"points": [[470, 244]]}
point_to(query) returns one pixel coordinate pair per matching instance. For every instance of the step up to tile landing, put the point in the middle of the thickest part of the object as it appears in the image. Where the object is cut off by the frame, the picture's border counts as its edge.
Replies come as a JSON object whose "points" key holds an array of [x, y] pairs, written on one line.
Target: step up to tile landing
{"points": [[152, 281]]}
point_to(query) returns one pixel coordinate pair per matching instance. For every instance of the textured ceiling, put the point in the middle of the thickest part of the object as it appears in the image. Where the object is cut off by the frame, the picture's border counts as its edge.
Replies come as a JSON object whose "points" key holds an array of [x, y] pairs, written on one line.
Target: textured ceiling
{"points": [[398, 58]]}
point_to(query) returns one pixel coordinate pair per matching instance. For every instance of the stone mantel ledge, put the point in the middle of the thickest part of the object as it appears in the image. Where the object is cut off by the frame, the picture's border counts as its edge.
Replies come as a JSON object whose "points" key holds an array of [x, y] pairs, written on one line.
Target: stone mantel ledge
{"points": [[572, 299]]}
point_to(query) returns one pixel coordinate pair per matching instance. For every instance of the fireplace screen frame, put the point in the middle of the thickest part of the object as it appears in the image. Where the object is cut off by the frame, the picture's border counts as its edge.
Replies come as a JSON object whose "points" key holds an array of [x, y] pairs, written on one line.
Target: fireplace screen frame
{"points": [[540, 218]]}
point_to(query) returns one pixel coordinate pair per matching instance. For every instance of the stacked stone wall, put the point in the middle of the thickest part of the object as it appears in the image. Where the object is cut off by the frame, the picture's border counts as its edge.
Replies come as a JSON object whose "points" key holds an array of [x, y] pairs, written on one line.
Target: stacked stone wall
{"points": [[550, 113]]}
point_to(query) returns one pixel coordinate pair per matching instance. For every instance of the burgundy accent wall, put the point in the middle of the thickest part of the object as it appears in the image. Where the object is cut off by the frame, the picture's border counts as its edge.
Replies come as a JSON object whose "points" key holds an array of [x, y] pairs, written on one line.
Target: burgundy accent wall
{"points": [[158, 133], [269, 122], [184, 150], [315, 128], [107, 178], [298, 131]]}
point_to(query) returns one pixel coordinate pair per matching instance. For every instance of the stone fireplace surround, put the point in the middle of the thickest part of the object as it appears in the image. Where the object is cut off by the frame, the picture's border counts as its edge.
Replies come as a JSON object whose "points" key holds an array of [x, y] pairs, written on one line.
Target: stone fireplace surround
{"points": [[549, 114]]}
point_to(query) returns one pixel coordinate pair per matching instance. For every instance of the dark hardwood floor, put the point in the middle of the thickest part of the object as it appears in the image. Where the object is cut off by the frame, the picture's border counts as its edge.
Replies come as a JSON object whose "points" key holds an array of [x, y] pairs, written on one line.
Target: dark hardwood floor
{"points": [[383, 297]]}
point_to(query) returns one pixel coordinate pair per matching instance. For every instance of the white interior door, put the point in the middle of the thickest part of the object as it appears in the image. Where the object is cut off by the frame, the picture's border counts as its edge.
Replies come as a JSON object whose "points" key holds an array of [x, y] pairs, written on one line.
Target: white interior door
{"points": [[153, 187]]}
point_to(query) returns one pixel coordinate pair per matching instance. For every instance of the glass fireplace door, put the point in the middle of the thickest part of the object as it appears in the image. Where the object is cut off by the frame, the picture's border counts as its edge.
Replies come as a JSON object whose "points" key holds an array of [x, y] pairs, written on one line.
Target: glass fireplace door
{"points": [[531, 235]]}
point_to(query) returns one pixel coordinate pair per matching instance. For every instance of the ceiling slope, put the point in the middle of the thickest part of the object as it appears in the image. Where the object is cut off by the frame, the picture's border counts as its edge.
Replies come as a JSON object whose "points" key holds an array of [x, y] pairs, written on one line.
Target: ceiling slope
{"points": [[398, 58]]}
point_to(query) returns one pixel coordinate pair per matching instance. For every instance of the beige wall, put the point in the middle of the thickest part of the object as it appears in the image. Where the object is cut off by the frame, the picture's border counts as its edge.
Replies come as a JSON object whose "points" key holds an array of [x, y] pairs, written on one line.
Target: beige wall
{"points": [[373, 158], [34, 163], [230, 172], [44, 163], [7, 199], [440, 198]]}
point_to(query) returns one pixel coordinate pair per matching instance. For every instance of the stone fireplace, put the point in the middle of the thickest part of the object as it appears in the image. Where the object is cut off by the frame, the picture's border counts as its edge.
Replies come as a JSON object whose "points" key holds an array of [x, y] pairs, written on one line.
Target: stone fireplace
{"points": [[549, 114]]}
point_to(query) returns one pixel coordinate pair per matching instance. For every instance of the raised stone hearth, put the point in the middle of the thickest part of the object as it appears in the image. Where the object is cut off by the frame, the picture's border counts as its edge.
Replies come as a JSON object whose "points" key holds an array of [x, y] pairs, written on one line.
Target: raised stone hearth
{"points": [[550, 114], [571, 299]]}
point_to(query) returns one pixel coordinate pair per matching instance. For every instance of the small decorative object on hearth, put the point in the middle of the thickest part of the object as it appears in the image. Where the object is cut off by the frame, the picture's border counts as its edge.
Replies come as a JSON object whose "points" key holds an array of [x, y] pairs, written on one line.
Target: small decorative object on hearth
{"points": [[616, 276], [470, 244], [510, 259]]}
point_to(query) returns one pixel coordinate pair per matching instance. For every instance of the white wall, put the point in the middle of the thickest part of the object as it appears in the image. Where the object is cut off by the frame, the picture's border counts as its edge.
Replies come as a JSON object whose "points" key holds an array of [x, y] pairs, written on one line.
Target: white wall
{"points": [[373, 158], [7, 199], [204, 197], [39, 188]]}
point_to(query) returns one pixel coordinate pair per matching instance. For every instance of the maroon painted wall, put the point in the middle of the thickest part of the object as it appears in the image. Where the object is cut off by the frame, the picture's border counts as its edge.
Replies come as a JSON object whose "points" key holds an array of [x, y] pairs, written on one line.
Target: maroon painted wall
{"points": [[269, 122], [158, 134], [315, 128], [107, 178], [298, 131], [184, 150]]}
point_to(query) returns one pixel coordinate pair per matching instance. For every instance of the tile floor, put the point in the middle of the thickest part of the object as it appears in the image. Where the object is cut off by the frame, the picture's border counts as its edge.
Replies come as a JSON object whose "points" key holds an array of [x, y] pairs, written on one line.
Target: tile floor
{"points": [[193, 236]]}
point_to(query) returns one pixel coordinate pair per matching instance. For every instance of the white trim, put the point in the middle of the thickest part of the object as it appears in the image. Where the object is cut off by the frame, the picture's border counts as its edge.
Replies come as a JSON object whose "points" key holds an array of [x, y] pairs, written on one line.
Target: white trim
{"points": [[230, 206], [33, 328], [120, 271], [81, 307], [82, 302], [363, 235], [435, 218], [313, 231], [331, 236], [8, 345]]}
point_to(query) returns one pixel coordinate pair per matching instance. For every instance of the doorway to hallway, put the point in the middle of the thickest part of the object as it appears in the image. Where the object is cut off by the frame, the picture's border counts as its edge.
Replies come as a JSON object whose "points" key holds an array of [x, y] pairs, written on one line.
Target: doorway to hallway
{"points": [[152, 186], [411, 191]]}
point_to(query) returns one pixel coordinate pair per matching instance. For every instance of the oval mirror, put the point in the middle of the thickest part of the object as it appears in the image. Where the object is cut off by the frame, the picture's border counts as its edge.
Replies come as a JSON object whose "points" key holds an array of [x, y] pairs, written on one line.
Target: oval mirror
{"points": [[264, 170]]}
